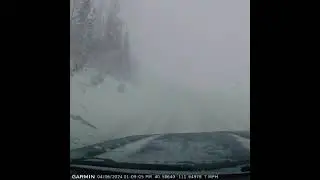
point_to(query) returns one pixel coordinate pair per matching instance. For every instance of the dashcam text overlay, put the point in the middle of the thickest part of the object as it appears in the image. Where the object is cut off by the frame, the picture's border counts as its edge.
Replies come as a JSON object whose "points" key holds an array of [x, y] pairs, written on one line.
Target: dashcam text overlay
{"points": [[144, 176]]}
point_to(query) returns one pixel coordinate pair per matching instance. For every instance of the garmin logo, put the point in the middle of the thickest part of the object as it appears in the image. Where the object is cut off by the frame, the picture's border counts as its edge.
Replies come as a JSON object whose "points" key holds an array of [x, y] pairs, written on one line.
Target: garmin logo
{"points": [[82, 176]]}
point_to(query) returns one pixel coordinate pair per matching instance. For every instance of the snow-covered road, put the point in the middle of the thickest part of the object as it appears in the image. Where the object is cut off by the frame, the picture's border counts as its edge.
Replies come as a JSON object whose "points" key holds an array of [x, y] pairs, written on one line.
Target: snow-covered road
{"points": [[153, 107]]}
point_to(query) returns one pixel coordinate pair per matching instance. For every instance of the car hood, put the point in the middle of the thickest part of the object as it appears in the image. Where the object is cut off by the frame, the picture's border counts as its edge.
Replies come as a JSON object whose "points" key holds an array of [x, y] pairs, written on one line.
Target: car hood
{"points": [[173, 148]]}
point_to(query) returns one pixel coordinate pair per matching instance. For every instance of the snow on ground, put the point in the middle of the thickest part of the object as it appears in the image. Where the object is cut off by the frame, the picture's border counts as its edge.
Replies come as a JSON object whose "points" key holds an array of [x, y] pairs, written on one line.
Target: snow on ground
{"points": [[151, 107]]}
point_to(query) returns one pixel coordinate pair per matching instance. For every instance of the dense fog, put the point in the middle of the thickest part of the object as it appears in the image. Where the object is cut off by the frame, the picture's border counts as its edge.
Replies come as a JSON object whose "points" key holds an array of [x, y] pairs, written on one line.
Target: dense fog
{"points": [[190, 72]]}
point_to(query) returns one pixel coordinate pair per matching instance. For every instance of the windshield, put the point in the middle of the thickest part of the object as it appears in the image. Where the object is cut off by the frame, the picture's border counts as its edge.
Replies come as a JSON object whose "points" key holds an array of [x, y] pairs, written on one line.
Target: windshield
{"points": [[159, 69]]}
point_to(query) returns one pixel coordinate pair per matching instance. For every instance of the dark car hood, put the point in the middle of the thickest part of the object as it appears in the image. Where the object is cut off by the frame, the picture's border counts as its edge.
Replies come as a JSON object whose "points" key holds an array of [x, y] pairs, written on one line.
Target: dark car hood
{"points": [[173, 148]]}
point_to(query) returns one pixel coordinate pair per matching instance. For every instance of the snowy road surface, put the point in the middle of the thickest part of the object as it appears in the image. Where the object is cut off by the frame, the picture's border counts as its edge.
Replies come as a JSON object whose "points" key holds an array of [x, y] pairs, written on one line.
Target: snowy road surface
{"points": [[145, 109], [221, 150]]}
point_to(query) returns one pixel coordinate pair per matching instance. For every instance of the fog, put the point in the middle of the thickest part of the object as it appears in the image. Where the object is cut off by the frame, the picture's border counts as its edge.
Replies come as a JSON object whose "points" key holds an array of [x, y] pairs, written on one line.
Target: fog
{"points": [[192, 72]]}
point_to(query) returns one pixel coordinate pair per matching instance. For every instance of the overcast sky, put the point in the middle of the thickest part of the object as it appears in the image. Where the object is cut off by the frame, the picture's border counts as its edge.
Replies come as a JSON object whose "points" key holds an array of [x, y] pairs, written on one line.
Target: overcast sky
{"points": [[203, 44]]}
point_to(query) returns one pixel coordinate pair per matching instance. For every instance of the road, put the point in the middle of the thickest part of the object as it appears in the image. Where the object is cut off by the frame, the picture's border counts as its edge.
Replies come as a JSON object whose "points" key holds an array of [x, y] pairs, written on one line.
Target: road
{"points": [[145, 109], [170, 149]]}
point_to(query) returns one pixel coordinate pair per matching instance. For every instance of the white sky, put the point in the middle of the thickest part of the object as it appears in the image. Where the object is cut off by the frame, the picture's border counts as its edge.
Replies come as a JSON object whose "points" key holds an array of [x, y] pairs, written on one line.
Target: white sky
{"points": [[204, 44]]}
